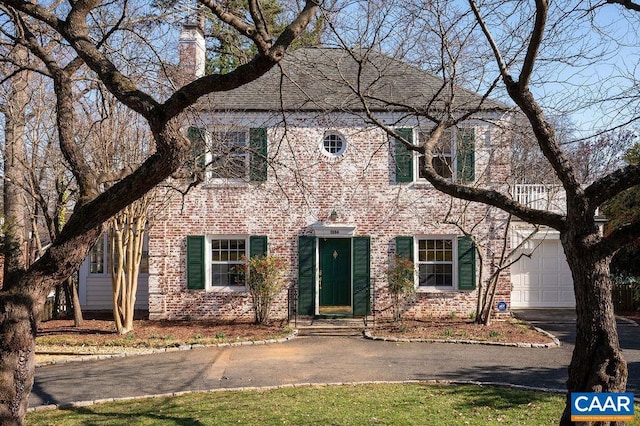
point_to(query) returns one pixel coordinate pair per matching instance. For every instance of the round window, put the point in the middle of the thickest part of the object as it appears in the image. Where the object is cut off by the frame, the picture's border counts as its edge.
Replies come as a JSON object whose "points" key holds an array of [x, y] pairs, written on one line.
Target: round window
{"points": [[333, 144]]}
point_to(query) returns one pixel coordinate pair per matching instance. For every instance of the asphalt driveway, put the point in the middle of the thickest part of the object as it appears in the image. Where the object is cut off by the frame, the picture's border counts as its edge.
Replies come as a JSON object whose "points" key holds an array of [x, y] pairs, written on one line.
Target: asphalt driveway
{"points": [[562, 322], [320, 360]]}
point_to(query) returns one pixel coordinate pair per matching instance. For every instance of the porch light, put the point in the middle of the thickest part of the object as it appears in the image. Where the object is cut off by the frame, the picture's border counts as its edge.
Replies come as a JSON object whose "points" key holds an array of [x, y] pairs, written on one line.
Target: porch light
{"points": [[333, 216]]}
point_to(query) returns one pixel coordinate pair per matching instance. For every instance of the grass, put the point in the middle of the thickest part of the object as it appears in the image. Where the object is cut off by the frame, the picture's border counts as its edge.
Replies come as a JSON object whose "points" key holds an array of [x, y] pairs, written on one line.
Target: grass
{"points": [[380, 404]]}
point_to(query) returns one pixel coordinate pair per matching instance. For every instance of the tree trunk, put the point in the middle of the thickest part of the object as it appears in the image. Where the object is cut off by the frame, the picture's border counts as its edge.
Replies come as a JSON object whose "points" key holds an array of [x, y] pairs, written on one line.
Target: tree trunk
{"points": [[14, 244], [56, 302], [78, 321], [19, 310], [17, 355], [68, 304], [492, 286], [597, 364]]}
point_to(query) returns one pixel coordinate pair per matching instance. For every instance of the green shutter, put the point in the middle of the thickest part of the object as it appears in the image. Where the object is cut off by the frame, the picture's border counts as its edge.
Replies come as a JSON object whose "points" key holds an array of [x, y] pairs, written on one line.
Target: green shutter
{"points": [[466, 264], [404, 156], [306, 275], [361, 275], [198, 147], [257, 245], [258, 161], [195, 262], [466, 158], [404, 247]]}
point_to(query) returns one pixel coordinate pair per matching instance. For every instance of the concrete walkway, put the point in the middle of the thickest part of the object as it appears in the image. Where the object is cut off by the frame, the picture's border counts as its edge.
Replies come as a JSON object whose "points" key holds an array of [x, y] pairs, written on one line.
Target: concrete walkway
{"points": [[314, 360]]}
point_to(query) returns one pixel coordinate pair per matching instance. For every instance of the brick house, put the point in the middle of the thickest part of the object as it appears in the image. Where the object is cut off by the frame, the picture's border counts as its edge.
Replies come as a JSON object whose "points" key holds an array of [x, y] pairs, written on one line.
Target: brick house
{"points": [[290, 165]]}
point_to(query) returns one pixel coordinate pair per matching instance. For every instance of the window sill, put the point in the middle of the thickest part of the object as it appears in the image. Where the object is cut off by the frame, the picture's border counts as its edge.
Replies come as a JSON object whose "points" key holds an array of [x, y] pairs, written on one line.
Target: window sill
{"points": [[240, 290], [427, 289], [225, 183], [421, 184], [417, 184]]}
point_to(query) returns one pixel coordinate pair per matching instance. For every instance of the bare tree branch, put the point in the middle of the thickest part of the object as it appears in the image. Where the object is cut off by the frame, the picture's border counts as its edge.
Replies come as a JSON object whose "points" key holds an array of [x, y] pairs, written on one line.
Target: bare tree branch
{"points": [[189, 94], [542, 8], [631, 5], [612, 184]]}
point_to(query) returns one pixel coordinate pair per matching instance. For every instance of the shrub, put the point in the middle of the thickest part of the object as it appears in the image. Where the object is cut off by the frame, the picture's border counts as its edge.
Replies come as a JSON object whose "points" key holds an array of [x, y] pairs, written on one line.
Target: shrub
{"points": [[400, 274], [265, 281]]}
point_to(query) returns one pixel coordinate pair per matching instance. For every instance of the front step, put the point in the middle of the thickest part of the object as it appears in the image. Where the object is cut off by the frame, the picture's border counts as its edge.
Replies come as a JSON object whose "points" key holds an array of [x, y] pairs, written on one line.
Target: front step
{"points": [[330, 327]]}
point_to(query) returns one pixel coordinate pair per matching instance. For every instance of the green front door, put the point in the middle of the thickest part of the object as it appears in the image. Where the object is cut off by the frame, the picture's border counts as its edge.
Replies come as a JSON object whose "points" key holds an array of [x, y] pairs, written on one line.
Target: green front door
{"points": [[335, 275]]}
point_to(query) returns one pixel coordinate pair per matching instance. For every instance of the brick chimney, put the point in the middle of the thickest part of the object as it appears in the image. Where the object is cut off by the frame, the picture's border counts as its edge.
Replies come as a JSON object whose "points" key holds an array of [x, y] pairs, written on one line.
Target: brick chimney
{"points": [[192, 48]]}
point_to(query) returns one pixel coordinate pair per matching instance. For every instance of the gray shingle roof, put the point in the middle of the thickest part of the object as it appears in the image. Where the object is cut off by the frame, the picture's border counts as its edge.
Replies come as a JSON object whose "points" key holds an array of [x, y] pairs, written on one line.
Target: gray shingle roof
{"points": [[328, 79]]}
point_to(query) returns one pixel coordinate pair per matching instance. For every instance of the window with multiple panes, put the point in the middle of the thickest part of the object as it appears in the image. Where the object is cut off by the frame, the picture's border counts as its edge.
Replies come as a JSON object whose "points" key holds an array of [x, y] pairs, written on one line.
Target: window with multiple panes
{"points": [[99, 257], [228, 259], [219, 262], [333, 144], [443, 155], [229, 155], [442, 262], [453, 155], [436, 262]]}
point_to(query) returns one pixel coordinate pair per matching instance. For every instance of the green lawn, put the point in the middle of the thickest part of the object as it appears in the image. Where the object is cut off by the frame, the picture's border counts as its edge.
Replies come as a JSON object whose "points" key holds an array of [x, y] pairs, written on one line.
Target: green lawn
{"points": [[397, 404]]}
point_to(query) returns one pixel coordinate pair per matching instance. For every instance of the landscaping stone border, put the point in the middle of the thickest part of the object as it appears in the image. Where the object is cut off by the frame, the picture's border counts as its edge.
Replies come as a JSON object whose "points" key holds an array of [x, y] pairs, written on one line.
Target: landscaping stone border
{"points": [[556, 342]]}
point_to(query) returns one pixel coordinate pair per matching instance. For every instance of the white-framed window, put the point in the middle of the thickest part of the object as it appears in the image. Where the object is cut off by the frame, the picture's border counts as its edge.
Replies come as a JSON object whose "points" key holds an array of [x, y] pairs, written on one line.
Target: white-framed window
{"points": [[444, 154], [228, 155], [219, 262], [453, 157], [436, 262], [228, 260], [333, 144], [99, 256]]}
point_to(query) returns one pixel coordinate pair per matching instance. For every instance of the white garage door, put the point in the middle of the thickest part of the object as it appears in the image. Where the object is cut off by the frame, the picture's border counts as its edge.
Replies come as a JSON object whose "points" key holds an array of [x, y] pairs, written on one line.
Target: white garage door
{"points": [[544, 280]]}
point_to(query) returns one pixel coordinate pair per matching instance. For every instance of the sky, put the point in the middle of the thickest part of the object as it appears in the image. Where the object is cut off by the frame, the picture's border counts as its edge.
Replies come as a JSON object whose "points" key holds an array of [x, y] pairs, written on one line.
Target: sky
{"points": [[586, 57]]}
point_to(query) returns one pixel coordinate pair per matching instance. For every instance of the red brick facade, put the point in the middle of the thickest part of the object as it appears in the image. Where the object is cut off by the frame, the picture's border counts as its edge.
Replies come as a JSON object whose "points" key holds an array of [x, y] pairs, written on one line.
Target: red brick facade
{"points": [[304, 187]]}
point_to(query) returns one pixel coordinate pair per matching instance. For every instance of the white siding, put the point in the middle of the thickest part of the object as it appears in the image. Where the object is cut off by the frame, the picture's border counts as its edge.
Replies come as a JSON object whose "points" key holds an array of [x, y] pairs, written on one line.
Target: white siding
{"points": [[98, 292]]}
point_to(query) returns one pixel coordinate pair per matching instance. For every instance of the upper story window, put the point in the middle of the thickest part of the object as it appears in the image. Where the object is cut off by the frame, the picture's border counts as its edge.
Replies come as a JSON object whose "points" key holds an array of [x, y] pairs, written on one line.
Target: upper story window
{"points": [[453, 155], [229, 155], [333, 144], [443, 155], [238, 154]]}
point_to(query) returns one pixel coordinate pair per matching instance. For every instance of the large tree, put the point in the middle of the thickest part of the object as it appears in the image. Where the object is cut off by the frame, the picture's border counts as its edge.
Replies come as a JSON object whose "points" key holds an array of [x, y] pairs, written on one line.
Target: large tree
{"points": [[14, 109], [524, 49], [597, 364], [65, 39]]}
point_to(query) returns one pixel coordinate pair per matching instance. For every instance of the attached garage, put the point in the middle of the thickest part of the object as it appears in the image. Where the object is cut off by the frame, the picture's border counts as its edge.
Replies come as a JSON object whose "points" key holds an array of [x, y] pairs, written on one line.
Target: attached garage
{"points": [[542, 280]]}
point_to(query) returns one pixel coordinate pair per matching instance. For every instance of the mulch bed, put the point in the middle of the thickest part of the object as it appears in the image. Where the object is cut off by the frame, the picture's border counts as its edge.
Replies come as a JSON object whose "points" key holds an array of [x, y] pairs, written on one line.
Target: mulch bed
{"points": [[101, 331], [509, 331]]}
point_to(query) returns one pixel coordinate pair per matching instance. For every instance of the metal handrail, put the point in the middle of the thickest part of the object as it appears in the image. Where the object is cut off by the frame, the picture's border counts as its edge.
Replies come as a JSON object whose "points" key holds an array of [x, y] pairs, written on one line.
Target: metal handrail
{"points": [[292, 304], [370, 294]]}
